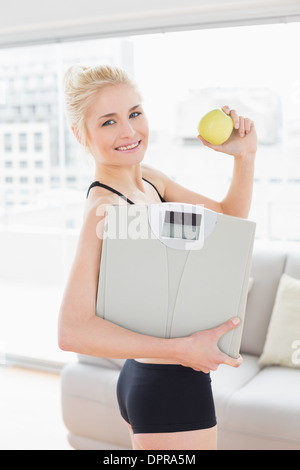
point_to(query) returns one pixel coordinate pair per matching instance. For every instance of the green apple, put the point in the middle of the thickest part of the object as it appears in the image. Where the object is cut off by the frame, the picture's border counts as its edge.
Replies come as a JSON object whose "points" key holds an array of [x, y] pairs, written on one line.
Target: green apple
{"points": [[216, 127]]}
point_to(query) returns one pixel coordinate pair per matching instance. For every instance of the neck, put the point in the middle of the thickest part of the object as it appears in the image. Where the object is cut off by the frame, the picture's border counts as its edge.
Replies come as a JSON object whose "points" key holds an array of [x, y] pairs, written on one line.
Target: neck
{"points": [[128, 177]]}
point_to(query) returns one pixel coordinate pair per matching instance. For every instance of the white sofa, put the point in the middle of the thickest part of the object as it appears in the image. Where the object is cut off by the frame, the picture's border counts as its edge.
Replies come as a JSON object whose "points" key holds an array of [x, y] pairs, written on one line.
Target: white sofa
{"points": [[257, 405]]}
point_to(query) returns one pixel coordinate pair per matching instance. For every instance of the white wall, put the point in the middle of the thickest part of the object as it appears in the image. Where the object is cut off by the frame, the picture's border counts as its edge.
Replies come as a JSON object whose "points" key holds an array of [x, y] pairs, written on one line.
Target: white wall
{"points": [[36, 21], [36, 257]]}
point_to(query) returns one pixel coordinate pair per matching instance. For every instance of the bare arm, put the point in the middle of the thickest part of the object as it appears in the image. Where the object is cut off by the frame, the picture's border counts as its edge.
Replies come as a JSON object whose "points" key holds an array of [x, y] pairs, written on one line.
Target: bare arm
{"points": [[242, 145], [80, 330]]}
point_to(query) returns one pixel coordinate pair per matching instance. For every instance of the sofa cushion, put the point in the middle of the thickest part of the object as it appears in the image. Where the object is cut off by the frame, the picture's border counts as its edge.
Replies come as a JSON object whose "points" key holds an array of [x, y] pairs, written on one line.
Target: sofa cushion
{"points": [[227, 380], [267, 407], [267, 268], [284, 328]]}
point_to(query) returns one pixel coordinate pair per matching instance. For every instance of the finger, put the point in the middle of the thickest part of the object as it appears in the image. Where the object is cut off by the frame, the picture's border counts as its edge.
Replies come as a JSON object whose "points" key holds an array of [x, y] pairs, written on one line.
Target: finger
{"points": [[230, 361], [235, 118], [226, 109], [248, 125], [200, 368], [241, 126], [227, 326], [233, 114]]}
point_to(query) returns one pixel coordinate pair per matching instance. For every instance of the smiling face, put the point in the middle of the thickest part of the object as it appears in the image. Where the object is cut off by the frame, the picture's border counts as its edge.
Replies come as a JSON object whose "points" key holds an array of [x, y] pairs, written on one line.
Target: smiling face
{"points": [[117, 128]]}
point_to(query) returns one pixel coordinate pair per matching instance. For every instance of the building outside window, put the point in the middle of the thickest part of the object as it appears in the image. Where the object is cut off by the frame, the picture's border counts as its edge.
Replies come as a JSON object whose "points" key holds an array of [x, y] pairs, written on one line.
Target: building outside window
{"points": [[7, 143], [22, 142]]}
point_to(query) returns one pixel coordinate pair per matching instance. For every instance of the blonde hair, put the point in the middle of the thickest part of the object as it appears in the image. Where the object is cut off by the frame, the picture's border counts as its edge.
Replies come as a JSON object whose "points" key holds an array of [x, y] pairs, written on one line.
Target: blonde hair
{"points": [[81, 84]]}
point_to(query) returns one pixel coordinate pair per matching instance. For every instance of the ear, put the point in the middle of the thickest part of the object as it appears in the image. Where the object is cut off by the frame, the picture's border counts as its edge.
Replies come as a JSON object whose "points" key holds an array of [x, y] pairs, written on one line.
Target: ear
{"points": [[76, 133]]}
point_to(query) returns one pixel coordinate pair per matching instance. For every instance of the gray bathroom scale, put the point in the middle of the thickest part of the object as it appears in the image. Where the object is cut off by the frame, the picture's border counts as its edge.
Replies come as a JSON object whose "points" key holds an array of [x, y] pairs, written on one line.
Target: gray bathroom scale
{"points": [[171, 269]]}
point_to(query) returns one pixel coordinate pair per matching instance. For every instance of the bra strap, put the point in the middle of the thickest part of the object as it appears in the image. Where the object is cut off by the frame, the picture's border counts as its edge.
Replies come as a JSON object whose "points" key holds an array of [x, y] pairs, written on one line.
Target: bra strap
{"points": [[109, 188], [97, 183], [160, 197]]}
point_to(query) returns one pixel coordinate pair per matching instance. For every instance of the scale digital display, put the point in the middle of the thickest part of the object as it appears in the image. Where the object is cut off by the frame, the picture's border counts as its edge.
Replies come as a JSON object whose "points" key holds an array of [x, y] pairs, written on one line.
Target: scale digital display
{"points": [[182, 225]]}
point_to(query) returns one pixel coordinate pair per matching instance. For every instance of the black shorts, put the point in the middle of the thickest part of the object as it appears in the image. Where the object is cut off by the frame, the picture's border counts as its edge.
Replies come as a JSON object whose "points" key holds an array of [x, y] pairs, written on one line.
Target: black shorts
{"points": [[155, 398]]}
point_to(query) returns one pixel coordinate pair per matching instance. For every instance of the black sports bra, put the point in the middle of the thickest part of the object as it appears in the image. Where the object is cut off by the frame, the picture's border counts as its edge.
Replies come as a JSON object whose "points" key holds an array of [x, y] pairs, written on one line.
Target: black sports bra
{"points": [[97, 183]]}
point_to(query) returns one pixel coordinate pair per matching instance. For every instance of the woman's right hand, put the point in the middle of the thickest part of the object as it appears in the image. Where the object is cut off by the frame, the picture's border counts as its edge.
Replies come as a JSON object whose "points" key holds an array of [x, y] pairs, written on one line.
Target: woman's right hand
{"points": [[201, 352]]}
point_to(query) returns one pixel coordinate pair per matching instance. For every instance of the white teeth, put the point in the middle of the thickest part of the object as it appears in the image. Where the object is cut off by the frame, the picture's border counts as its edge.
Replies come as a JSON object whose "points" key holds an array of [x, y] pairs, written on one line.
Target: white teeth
{"points": [[129, 147]]}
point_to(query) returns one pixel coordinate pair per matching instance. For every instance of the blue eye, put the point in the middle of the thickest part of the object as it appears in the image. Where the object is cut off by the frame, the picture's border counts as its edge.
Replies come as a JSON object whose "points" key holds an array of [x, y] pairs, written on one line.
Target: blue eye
{"points": [[135, 114], [108, 123]]}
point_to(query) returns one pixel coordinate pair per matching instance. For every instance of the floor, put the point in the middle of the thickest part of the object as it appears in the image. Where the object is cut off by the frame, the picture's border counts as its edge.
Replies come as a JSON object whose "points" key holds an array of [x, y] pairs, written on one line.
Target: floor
{"points": [[30, 413]]}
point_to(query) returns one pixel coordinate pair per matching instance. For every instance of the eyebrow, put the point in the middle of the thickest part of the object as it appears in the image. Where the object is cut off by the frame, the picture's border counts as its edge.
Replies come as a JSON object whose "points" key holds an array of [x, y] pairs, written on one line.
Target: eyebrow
{"points": [[114, 114]]}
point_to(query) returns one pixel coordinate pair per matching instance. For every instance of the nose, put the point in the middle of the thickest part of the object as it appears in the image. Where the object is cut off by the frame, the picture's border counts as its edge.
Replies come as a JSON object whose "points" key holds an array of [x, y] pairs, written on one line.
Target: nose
{"points": [[127, 130]]}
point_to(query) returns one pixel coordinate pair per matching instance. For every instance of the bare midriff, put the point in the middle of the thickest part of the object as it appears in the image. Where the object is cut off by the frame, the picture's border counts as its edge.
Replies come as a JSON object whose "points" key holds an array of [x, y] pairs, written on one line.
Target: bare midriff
{"points": [[156, 360]]}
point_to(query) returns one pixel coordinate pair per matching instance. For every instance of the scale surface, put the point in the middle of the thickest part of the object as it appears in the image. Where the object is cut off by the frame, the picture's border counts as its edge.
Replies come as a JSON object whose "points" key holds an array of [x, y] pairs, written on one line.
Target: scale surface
{"points": [[170, 269]]}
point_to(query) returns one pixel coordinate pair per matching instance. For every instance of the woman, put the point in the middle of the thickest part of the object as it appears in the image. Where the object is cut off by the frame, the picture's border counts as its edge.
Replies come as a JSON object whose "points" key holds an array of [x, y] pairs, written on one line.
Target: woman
{"points": [[164, 389]]}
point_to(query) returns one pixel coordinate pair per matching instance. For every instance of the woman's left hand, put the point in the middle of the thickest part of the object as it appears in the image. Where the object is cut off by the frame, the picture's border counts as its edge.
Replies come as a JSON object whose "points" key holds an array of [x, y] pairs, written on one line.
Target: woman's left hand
{"points": [[243, 140]]}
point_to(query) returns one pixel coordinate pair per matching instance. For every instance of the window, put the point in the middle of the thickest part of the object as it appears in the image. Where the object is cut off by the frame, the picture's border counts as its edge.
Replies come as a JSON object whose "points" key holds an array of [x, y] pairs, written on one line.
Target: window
{"points": [[182, 75], [38, 141], [7, 143], [22, 142], [39, 179]]}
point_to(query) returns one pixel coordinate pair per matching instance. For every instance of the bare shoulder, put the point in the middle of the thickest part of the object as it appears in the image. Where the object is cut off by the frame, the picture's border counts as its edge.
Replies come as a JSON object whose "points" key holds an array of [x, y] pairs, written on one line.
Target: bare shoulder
{"points": [[157, 177], [93, 218]]}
